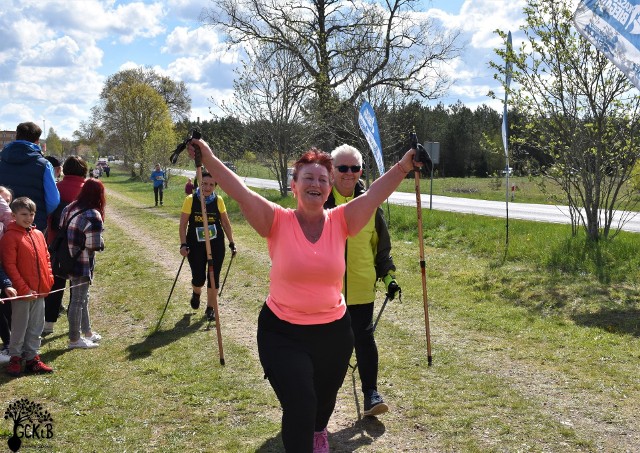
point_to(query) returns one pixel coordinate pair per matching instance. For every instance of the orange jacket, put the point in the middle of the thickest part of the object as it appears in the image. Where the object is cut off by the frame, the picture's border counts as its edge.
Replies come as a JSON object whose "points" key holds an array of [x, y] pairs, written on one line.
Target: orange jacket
{"points": [[25, 259]]}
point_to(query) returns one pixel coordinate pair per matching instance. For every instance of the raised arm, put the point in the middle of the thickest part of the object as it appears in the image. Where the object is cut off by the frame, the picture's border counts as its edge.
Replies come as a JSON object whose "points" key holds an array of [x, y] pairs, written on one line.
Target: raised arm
{"points": [[256, 209], [358, 211]]}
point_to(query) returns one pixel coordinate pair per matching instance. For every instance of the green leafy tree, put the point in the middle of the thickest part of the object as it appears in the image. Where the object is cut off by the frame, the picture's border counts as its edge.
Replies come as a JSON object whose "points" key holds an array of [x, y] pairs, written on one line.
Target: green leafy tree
{"points": [[159, 144], [137, 115], [174, 93], [54, 144], [579, 109]]}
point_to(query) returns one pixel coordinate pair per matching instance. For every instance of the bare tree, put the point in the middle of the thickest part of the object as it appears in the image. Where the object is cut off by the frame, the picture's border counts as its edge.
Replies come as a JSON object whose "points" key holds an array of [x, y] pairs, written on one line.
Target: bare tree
{"points": [[581, 110], [268, 98], [345, 48]]}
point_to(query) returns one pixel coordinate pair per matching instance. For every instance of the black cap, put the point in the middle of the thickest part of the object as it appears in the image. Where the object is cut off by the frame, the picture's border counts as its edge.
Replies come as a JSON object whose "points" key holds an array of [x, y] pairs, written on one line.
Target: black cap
{"points": [[54, 161]]}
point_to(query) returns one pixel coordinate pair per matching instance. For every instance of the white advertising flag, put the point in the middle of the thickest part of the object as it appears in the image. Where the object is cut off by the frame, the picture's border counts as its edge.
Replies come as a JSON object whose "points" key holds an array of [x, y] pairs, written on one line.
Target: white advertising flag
{"points": [[613, 27]]}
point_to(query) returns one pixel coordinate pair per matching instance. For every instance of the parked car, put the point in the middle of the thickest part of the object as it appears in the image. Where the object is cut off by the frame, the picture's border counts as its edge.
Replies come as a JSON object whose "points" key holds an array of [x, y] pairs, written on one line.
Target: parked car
{"points": [[231, 166]]}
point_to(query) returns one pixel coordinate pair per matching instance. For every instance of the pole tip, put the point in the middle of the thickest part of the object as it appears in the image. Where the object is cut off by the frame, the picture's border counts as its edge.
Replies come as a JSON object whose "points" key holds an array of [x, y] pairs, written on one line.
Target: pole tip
{"points": [[222, 361], [429, 360]]}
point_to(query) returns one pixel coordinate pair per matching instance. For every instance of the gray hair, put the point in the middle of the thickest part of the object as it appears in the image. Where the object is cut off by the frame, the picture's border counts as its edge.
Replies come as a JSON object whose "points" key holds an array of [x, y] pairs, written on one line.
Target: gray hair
{"points": [[347, 150]]}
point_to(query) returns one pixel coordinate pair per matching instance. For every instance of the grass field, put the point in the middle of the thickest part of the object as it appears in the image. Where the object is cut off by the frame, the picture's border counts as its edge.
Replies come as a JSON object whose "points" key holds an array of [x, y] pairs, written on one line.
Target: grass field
{"points": [[535, 347]]}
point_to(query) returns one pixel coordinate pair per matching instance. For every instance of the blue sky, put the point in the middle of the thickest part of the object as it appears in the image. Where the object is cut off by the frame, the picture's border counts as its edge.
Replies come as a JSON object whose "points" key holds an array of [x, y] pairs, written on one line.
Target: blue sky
{"points": [[56, 54]]}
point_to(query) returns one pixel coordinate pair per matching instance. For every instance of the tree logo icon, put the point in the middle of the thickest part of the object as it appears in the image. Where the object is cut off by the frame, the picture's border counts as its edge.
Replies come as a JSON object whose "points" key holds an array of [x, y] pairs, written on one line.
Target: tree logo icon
{"points": [[30, 420]]}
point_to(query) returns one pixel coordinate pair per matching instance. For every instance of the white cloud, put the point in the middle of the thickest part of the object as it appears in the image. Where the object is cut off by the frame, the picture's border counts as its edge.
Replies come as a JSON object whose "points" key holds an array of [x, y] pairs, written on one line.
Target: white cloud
{"points": [[187, 9], [477, 20], [16, 113], [198, 42]]}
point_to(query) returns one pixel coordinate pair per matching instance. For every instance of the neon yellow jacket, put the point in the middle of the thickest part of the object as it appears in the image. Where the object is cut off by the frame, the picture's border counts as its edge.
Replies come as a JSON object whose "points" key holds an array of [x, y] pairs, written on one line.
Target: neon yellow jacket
{"points": [[368, 254]]}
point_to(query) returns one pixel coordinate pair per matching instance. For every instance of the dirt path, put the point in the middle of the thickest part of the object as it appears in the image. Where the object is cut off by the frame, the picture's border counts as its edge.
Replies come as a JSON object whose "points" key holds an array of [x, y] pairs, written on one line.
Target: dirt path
{"points": [[593, 417], [348, 430]]}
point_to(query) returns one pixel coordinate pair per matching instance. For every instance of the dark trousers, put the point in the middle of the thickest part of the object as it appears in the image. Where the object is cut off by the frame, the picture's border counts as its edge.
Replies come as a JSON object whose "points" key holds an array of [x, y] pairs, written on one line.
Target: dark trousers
{"points": [[365, 345], [53, 301], [197, 258], [157, 192], [305, 365], [5, 322]]}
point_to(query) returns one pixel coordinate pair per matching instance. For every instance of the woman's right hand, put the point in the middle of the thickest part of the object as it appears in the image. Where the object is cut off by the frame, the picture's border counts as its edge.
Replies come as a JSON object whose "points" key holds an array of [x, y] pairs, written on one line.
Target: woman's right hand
{"points": [[184, 250]]}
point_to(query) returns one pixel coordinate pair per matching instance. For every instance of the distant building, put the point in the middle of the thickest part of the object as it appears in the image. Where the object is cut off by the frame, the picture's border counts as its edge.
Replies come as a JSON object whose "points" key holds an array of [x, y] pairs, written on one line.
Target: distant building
{"points": [[6, 137]]}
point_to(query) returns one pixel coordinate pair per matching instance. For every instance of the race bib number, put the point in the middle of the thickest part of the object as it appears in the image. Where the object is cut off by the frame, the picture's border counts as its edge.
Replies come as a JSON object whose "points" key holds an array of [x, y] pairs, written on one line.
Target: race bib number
{"points": [[213, 233]]}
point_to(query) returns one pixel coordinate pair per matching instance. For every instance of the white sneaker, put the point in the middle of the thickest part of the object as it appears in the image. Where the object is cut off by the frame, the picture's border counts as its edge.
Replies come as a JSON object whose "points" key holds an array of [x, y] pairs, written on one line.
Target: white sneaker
{"points": [[4, 356], [95, 337], [82, 343], [48, 328]]}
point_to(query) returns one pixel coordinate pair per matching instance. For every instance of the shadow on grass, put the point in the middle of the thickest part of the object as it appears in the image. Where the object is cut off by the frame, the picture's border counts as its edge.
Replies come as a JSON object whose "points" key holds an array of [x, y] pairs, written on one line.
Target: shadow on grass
{"points": [[273, 445], [162, 338], [619, 321], [362, 432]]}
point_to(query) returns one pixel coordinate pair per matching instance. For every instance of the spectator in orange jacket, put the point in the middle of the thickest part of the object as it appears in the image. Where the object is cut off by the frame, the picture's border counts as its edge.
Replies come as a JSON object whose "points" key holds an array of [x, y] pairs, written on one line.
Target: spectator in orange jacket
{"points": [[26, 261]]}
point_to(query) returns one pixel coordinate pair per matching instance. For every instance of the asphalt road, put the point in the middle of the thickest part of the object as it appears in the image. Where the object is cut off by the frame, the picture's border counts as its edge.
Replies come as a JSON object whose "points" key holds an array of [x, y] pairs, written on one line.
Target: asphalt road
{"points": [[522, 211]]}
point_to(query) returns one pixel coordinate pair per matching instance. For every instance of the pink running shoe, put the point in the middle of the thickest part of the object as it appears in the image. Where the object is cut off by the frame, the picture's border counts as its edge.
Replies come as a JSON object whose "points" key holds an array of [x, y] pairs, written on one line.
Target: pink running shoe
{"points": [[321, 441]]}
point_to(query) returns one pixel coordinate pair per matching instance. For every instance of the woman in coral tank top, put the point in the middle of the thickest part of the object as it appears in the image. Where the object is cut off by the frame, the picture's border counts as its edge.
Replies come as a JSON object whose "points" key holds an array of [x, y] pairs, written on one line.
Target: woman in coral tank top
{"points": [[304, 332]]}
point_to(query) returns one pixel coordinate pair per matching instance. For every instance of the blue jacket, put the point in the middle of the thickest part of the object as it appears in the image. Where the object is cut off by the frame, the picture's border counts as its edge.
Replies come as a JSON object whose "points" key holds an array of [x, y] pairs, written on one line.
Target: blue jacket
{"points": [[5, 281], [158, 177], [27, 173]]}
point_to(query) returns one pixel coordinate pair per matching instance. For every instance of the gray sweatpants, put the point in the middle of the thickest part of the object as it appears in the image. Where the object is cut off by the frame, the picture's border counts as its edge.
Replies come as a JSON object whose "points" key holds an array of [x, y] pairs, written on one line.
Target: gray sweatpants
{"points": [[27, 321], [78, 311]]}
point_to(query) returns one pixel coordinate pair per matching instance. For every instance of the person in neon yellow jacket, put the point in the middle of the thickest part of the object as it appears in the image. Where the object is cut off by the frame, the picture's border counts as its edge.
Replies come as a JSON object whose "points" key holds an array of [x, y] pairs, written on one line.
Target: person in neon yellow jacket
{"points": [[368, 258]]}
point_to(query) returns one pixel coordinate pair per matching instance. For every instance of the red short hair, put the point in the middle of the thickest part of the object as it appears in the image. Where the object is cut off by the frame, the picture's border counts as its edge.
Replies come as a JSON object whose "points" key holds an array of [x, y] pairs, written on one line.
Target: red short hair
{"points": [[314, 156]]}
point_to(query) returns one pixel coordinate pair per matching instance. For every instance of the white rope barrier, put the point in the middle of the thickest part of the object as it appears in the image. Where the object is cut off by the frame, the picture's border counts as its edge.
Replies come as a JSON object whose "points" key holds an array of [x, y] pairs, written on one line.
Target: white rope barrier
{"points": [[37, 295]]}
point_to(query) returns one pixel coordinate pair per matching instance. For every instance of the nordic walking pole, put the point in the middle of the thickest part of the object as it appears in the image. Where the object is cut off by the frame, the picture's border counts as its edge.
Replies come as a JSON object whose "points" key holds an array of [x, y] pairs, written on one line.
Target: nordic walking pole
{"points": [[169, 298], [233, 254], [205, 224], [384, 304], [416, 172]]}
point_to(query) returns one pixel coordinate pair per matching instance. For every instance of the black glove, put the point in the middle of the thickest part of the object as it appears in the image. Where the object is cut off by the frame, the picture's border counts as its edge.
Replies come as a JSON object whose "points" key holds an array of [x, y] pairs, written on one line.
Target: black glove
{"points": [[232, 247], [392, 286]]}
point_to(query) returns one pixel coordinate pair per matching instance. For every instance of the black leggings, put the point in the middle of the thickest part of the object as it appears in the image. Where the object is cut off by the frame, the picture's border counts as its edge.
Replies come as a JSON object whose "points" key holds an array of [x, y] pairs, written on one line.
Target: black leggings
{"points": [[53, 301], [365, 345], [305, 365]]}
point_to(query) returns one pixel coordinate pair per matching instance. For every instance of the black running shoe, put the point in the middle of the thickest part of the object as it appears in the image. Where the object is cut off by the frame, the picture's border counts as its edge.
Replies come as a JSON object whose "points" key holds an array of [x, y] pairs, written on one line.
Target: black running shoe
{"points": [[195, 301], [210, 314], [373, 403]]}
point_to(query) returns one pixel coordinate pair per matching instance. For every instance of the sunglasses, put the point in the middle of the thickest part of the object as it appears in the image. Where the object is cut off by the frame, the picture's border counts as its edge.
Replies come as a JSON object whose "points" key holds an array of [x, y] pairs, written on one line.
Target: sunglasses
{"points": [[346, 168]]}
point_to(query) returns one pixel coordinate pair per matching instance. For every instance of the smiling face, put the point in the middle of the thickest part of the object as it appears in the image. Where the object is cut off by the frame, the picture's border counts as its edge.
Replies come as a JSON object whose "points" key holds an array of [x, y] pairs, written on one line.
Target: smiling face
{"points": [[208, 185], [24, 217], [345, 182], [312, 185]]}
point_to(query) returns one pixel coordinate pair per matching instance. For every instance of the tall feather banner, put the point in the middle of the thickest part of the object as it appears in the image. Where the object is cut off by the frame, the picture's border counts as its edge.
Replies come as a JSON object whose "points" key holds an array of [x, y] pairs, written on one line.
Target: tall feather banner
{"points": [[508, 70], [369, 127]]}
